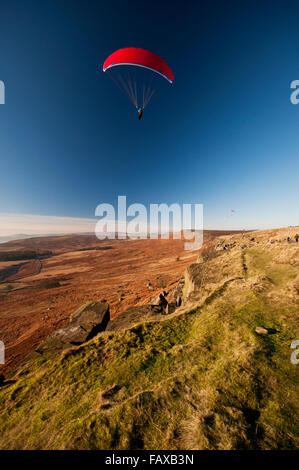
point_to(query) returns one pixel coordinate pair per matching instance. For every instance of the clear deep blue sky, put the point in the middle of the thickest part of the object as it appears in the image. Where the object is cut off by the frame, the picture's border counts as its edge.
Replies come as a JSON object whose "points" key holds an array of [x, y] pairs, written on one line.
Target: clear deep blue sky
{"points": [[225, 134]]}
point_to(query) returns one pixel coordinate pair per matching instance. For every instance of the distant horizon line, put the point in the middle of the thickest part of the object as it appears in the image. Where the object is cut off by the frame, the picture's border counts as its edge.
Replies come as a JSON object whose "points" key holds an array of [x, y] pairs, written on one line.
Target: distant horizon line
{"points": [[15, 226], [23, 236]]}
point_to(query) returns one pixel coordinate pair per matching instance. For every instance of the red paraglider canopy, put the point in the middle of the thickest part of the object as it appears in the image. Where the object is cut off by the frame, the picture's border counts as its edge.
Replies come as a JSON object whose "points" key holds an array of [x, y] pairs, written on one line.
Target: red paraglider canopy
{"points": [[141, 58]]}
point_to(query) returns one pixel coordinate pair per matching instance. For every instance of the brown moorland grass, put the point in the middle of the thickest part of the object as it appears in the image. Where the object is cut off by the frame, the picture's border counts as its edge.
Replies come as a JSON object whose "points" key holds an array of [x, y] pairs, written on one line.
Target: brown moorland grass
{"points": [[36, 300], [200, 378]]}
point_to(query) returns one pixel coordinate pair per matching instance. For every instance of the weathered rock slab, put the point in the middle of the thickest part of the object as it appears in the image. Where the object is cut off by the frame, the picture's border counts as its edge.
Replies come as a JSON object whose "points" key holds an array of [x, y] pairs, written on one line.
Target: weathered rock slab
{"points": [[85, 323]]}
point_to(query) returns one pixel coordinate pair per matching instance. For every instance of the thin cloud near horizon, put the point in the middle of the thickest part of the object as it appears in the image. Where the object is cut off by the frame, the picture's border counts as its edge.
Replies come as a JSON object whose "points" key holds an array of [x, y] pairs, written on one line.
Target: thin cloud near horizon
{"points": [[31, 224]]}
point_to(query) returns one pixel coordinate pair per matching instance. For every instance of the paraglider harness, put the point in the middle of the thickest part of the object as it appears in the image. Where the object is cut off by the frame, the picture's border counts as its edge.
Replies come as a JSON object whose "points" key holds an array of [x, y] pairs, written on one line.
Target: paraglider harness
{"points": [[140, 112]]}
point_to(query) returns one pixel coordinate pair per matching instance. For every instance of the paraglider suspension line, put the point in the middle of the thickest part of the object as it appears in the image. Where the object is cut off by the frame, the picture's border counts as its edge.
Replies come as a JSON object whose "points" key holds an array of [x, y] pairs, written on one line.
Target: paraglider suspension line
{"points": [[128, 86]]}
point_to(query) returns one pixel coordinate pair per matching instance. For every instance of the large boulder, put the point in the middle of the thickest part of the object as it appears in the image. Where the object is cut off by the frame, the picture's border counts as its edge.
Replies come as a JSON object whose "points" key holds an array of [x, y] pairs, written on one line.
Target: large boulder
{"points": [[91, 314], [85, 323], [159, 303], [170, 308], [131, 316]]}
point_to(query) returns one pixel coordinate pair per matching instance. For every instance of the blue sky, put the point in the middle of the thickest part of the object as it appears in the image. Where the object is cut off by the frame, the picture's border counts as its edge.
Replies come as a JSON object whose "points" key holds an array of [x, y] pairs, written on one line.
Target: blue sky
{"points": [[225, 134]]}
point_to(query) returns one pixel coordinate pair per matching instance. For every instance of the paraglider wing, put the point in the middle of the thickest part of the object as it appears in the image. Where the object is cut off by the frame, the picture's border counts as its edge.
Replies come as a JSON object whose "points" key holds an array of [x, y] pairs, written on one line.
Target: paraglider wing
{"points": [[136, 78], [141, 58]]}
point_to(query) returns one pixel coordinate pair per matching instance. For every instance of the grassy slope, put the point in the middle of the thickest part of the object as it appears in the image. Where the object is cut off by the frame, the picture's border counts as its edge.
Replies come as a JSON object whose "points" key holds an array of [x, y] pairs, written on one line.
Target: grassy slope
{"points": [[202, 379]]}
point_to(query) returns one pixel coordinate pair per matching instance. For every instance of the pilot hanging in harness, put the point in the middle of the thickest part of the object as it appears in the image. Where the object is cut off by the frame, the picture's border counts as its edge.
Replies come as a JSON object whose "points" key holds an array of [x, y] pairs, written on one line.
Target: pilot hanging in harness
{"points": [[140, 112]]}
